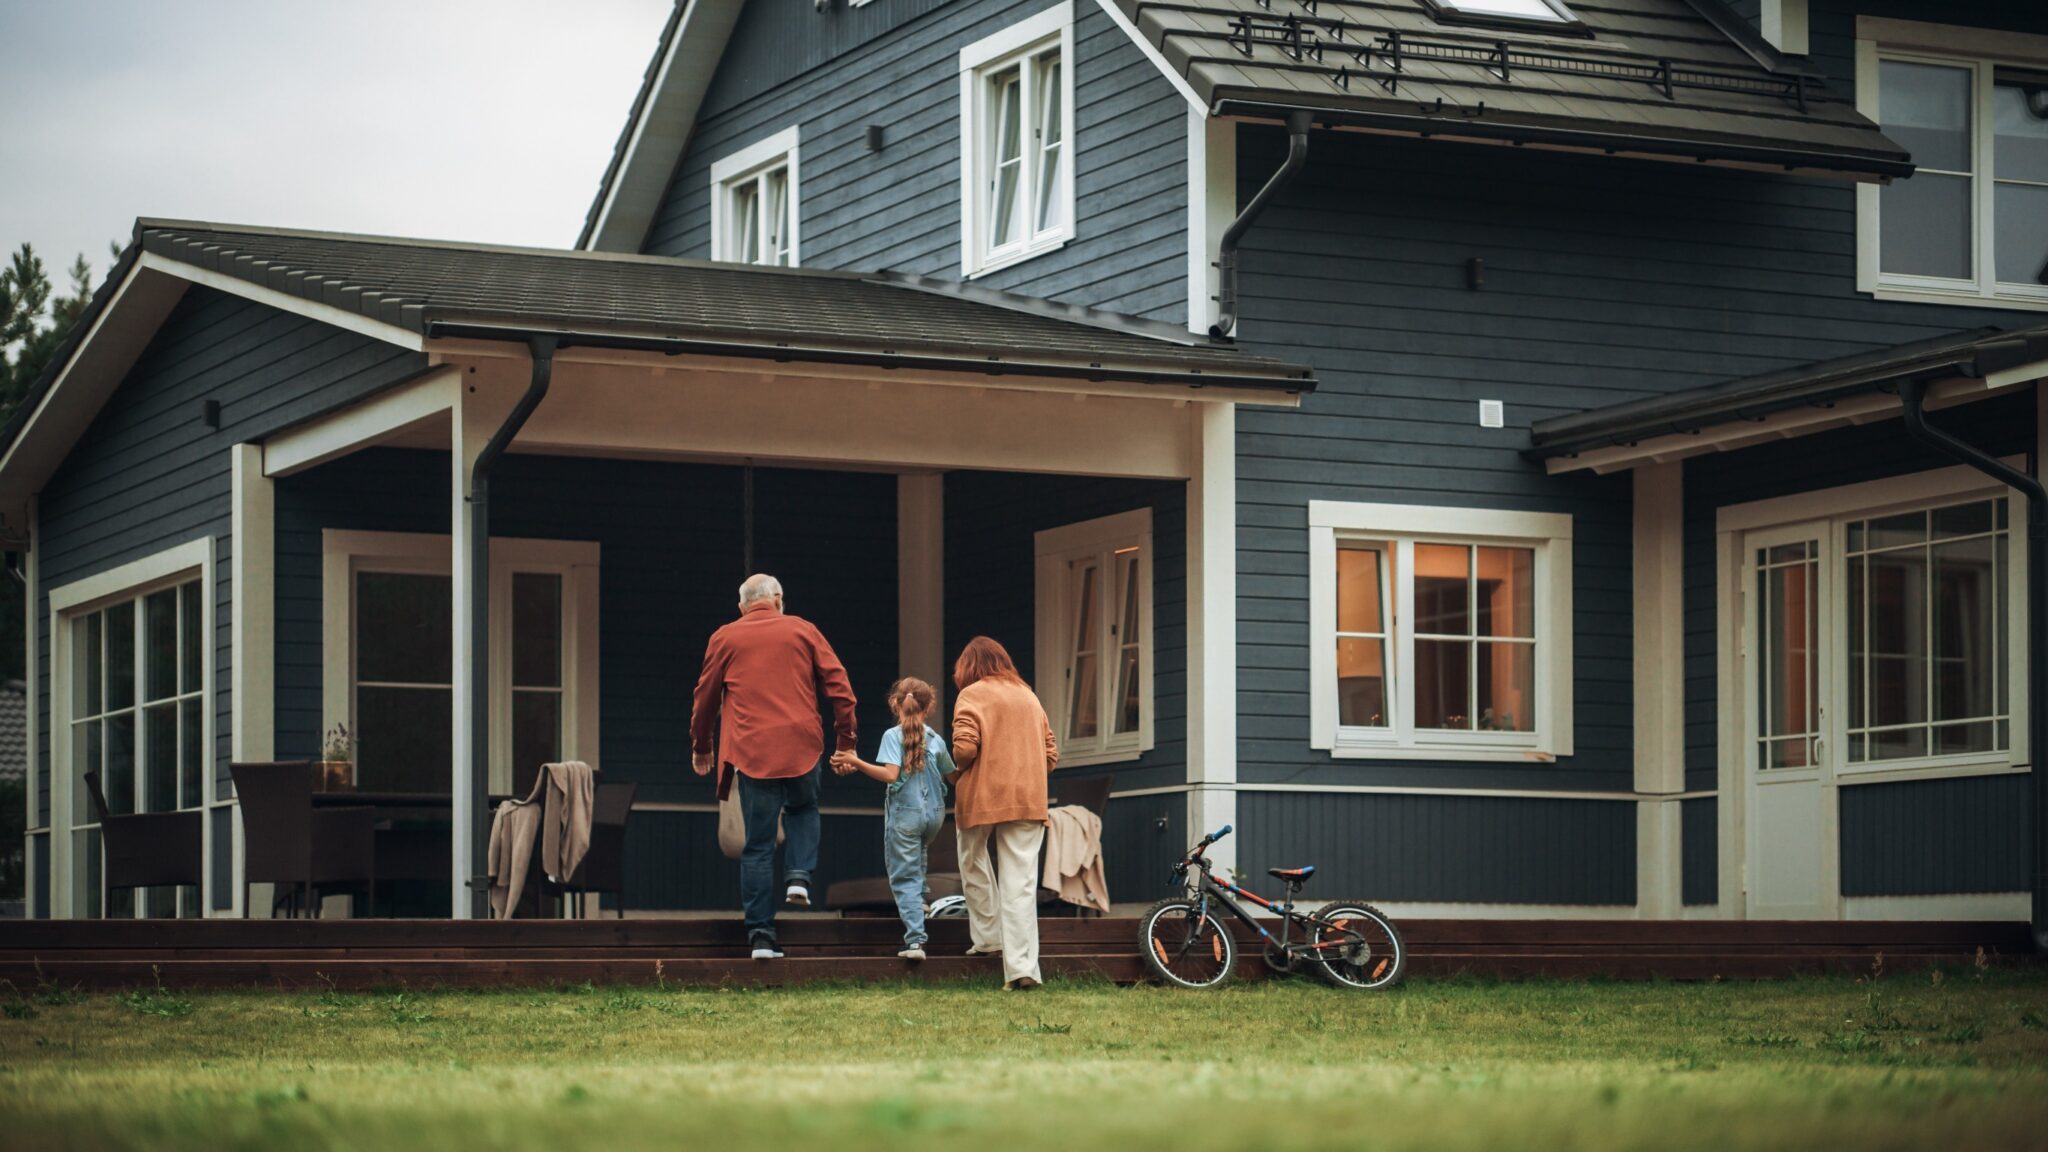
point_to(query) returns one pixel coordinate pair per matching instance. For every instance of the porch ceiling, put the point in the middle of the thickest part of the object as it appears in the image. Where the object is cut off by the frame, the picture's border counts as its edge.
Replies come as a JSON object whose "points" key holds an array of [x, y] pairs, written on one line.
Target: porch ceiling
{"points": [[435, 289]]}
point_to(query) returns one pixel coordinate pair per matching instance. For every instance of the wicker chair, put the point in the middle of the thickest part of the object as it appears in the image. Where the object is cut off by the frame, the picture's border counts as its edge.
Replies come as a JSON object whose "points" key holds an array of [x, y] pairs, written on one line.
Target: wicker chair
{"points": [[306, 852], [148, 849]]}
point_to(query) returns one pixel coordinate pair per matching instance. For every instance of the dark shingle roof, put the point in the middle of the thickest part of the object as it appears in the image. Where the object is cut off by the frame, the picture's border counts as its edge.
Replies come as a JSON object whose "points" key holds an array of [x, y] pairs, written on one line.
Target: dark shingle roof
{"points": [[1390, 64], [1821, 382], [436, 288]]}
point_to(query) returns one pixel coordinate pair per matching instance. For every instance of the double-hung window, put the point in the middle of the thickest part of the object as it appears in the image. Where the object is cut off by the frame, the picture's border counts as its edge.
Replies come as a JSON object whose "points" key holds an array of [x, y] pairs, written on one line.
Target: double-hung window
{"points": [[1016, 133], [1094, 636], [754, 203], [1439, 633], [131, 674], [1971, 224], [390, 649]]}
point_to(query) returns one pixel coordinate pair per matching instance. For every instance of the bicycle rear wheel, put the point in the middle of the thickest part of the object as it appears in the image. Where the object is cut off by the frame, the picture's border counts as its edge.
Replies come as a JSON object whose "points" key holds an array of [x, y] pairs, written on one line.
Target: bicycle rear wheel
{"points": [[1359, 948], [1185, 947]]}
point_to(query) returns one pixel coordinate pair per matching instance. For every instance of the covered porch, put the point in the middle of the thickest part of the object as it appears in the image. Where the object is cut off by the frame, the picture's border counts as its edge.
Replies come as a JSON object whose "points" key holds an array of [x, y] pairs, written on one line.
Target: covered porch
{"points": [[516, 555], [1838, 619]]}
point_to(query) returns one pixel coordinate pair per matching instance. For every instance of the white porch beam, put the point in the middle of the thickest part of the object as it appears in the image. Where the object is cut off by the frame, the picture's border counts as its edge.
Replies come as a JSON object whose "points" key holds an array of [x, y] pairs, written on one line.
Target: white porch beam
{"points": [[31, 564], [252, 698], [1212, 628], [1659, 627], [382, 417], [921, 577]]}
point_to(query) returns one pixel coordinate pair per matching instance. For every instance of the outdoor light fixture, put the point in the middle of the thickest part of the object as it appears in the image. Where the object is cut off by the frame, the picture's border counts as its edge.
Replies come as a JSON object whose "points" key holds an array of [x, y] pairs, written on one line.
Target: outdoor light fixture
{"points": [[874, 136]]}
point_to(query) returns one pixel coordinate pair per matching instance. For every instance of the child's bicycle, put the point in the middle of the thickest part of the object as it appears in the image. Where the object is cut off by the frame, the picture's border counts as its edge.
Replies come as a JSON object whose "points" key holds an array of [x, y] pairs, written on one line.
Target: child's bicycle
{"points": [[1347, 943]]}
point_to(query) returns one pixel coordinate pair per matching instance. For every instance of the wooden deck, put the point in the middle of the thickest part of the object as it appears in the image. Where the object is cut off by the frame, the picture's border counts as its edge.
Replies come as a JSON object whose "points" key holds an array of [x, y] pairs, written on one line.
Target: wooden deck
{"points": [[391, 953]]}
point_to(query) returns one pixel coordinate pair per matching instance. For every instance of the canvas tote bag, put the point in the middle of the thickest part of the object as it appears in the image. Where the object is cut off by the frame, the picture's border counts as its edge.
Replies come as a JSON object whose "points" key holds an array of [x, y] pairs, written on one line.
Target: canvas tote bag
{"points": [[732, 826]]}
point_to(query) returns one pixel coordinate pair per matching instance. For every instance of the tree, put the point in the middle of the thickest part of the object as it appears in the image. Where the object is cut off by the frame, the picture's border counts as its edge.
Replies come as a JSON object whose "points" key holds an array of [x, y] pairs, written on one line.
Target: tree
{"points": [[33, 324]]}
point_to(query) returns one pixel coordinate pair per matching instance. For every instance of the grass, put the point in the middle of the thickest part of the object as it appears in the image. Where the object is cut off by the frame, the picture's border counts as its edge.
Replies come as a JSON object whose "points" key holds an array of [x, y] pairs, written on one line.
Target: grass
{"points": [[1894, 1062]]}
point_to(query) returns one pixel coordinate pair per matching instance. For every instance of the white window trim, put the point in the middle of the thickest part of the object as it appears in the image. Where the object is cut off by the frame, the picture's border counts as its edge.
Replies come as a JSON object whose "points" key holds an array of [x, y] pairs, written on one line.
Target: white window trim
{"points": [[1055, 549], [751, 161], [1979, 50], [1549, 533], [344, 553], [1958, 484], [990, 54], [129, 581]]}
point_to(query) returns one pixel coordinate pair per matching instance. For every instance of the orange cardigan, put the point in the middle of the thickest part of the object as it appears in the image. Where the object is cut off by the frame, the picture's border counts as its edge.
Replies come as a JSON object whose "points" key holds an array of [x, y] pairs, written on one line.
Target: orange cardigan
{"points": [[1004, 746]]}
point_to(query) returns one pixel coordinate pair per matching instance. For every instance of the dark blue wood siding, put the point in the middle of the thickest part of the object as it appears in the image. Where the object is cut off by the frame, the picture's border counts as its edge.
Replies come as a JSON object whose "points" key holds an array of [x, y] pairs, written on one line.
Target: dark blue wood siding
{"points": [[148, 474], [1699, 851], [1486, 849], [1927, 837], [899, 209], [990, 566]]}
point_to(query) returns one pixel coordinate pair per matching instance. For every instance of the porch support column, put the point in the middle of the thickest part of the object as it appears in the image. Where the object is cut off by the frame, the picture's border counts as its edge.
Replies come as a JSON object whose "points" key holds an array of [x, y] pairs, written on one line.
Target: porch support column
{"points": [[1212, 628], [252, 699], [921, 578], [471, 430], [1659, 581]]}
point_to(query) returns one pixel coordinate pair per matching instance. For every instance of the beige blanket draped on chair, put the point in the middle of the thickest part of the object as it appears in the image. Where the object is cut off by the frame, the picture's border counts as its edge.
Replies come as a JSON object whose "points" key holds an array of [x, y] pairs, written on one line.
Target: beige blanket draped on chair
{"points": [[560, 805], [1073, 857]]}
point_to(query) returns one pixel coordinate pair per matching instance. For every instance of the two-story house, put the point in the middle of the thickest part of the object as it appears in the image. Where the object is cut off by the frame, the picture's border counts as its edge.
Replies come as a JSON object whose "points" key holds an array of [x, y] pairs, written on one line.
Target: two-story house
{"points": [[1490, 449]]}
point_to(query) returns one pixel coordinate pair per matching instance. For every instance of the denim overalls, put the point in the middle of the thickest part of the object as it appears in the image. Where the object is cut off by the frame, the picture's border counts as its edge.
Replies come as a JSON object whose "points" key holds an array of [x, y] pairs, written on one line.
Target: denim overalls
{"points": [[913, 810]]}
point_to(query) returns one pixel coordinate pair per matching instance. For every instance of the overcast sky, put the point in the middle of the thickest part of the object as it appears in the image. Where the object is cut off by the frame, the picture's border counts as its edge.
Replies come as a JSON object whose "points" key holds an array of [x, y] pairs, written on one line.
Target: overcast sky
{"points": [[458, 119]]}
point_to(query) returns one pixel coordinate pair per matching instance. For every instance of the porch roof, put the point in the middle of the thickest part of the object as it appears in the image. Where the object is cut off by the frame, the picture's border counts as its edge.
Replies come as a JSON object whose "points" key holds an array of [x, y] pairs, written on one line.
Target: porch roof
{"points": [[443, 289], [1667, 78], [1993, 355]]}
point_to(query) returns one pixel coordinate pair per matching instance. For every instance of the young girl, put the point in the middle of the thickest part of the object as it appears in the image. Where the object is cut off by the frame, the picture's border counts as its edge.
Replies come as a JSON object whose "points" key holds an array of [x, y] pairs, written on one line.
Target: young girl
{"points": [[911, 761]]}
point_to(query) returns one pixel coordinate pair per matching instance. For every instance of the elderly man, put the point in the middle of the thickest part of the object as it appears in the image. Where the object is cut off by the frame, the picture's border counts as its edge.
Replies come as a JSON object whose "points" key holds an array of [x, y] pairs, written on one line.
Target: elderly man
{"points": [[758, 696]]}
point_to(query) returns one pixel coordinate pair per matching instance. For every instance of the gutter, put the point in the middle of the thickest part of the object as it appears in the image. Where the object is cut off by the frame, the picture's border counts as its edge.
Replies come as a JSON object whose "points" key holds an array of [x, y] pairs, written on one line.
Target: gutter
{"points": [[1913, 398], [543, 352], [1453, 123], [1298, 380], [1298, 124]]}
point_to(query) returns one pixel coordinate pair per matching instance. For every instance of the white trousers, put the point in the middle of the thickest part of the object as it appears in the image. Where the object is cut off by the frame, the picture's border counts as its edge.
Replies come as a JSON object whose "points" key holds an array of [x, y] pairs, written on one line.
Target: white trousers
{"points": [[1002, 902]]}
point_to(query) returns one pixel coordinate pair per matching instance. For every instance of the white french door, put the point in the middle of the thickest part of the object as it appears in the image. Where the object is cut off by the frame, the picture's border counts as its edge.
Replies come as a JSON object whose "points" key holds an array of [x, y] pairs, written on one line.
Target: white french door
{"points": [[1793, 863]]}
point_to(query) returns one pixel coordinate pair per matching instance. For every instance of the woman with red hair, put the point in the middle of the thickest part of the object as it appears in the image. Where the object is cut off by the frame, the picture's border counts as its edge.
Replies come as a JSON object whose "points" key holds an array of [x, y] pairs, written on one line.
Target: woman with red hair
{"points": [[1004, 747]]}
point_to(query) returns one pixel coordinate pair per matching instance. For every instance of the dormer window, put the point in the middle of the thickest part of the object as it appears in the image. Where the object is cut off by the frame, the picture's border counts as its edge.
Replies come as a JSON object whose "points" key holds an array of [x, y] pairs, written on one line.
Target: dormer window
{"points": [[1533, 15]]}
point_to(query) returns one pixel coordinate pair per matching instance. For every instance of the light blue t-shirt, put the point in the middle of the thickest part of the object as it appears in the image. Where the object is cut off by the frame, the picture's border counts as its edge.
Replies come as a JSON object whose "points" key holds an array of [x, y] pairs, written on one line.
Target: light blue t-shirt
{"points": [[935, 754]]}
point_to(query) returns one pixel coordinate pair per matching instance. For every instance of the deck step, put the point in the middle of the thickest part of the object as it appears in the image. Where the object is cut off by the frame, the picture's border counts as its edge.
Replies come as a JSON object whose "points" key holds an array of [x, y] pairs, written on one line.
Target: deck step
{"points": [[423, 953]]}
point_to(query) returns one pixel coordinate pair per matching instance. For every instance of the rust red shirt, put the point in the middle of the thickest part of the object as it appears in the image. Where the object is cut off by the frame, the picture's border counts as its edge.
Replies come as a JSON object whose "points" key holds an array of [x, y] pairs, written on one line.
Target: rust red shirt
{"points": [[758, 695]]}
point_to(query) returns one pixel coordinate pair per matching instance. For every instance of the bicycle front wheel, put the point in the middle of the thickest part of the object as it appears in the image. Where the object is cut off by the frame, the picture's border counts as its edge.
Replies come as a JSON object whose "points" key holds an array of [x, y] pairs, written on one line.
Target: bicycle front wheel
{"points": [[1184, 946], [1356, 946]]}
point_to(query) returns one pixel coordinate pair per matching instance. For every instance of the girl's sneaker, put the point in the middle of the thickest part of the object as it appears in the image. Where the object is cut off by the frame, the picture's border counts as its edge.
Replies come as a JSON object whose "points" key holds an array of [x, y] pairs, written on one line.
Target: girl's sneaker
{"points": [[914, 952]]}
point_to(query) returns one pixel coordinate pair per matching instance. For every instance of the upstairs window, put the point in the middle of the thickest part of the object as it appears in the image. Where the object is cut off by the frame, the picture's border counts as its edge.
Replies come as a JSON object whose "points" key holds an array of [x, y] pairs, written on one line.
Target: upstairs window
{"points": [[1971, 224], [1533, 15], [754, 203], [1016, 133]]}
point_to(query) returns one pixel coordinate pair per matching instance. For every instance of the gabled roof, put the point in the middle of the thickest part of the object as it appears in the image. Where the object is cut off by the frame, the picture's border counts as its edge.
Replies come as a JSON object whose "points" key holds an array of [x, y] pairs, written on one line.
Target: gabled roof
{"points": [[1997, 356], [1675, 79], [658, 127], [410, 292]]}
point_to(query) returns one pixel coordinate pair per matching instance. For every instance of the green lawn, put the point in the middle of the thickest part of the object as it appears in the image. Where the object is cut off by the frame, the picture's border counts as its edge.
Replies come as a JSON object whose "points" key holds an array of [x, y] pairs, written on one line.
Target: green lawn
{"points": [[1902, 1061]]}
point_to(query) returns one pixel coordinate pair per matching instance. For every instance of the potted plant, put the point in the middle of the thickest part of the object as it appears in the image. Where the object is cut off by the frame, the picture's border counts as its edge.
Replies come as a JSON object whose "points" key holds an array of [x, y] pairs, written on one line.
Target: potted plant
{"points": [[337, 760]]}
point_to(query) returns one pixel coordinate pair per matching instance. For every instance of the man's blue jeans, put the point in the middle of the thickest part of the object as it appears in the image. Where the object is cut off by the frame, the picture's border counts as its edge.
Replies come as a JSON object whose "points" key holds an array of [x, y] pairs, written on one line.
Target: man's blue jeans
{"points": [[795, 800]]}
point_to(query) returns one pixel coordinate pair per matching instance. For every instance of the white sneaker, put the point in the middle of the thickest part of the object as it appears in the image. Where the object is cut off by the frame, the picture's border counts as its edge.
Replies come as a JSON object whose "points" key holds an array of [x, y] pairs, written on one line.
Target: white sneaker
{"points": [[978, 951], [798, 895], [767, 952], [911, 953]]}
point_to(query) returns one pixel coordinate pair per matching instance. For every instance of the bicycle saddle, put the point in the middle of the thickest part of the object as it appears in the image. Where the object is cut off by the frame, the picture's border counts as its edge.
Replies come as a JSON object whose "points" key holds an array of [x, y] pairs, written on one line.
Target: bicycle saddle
{"points": [[1292, 873]]}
